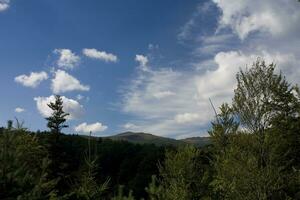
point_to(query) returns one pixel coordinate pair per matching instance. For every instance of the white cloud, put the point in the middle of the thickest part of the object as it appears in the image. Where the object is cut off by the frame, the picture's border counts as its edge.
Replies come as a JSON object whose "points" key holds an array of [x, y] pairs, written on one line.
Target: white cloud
{"points": [[86, 128], [100, 55], [67, 59], [4, 5], [187, 118], [32, 80], [143, 61], [273, 17], [157, 115], [212, 44], [69, 106], [64, 82], [189, 112], [19, 110]]}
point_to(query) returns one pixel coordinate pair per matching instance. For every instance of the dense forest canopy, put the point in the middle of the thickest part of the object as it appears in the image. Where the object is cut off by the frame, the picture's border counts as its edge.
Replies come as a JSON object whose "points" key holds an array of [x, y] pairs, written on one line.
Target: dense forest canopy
{"points": [[254, 154]]}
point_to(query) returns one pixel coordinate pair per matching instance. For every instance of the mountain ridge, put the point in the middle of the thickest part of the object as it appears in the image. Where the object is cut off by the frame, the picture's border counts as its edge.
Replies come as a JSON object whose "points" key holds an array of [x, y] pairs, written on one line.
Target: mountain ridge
{"points": [[147, 138]]}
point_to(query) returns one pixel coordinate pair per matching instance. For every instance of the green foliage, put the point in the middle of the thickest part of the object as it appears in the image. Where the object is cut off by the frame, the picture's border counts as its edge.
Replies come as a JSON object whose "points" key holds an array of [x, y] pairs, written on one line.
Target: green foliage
{"points": [[223, 128], [258, 161], [23, 167], [87, 187], [121, 196], [261, 94], [181, 176], [254, 154], [56, 122], [155, 191]]}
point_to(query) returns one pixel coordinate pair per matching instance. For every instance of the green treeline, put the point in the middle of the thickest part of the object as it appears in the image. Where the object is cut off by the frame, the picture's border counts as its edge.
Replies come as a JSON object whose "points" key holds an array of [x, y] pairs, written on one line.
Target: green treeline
{"points": [[254, 154]]}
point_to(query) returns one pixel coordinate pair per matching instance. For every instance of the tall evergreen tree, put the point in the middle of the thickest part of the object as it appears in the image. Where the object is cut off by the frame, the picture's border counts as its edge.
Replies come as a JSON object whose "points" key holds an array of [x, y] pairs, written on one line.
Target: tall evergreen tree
{"points": [[56, 122]]}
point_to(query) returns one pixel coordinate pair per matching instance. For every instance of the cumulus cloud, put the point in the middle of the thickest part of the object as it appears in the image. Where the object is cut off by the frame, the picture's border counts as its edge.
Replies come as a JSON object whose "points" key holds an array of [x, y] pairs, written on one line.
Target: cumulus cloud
{"points": [[4, 5], [32, 80], [143, 61], [86, 128], [67, 59], [19, 110], [70, 106], [100, 55], [64, 82], [246, 16]]}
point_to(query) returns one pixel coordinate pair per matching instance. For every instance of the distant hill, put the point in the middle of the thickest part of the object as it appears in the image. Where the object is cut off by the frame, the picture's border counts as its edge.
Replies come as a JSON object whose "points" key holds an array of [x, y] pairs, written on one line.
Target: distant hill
{"points": [[198, 141], [146, 138]]}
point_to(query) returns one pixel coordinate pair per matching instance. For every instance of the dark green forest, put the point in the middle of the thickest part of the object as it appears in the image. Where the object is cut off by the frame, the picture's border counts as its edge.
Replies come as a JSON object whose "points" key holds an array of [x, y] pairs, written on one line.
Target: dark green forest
{"points": [[254, 153]]}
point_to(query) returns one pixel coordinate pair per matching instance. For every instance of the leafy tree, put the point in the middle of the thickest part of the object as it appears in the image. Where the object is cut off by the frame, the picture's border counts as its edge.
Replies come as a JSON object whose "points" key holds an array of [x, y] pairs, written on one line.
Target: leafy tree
{"points": [[56, 122], [255, 163], [261, 94], [265, 102]]}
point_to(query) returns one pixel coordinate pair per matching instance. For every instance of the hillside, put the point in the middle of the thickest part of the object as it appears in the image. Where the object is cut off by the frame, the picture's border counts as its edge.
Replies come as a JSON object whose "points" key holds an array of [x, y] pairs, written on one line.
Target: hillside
{"points": [[146, 138], [198, 141]]}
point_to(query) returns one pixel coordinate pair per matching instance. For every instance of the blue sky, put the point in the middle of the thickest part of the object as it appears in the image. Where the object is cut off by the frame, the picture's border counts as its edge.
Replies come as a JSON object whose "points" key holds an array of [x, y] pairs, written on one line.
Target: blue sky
{"points": [[146, 66]]}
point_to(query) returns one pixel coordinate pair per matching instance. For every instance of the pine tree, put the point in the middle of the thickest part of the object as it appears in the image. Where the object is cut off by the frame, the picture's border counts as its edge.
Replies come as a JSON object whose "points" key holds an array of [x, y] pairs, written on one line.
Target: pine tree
{"points": [[56, 122]]}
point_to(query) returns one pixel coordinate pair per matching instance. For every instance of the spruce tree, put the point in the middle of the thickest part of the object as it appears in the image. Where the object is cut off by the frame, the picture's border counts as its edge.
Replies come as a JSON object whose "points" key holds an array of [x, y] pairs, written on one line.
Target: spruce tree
{"points": [[56, 122]]}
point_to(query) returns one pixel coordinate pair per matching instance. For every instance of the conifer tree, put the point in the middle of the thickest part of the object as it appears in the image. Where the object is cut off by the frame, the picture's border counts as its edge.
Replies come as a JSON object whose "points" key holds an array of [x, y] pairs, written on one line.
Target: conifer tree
{"points": [[56, 122]]}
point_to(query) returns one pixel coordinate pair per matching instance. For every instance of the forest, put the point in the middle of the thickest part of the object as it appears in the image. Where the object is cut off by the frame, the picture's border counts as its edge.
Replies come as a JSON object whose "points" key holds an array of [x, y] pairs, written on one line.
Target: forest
{"points": [[254, 153]]}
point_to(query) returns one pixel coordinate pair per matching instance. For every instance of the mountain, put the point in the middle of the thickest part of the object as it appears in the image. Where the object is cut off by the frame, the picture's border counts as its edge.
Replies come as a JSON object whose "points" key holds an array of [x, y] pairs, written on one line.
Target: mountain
{"points": [[198, 141], [146, 138]]}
